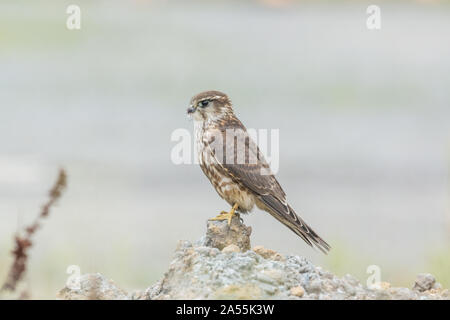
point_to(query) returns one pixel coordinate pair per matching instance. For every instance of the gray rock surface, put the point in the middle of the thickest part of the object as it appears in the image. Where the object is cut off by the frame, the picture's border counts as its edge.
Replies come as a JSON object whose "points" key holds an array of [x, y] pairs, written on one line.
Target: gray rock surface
{"points": [[221, 266], [92, 287], [425, 282], [220, 235]]}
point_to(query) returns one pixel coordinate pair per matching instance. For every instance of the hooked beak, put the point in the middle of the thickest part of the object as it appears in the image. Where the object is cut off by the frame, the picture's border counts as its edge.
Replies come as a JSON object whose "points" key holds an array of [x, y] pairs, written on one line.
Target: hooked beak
{"points": [[191, 109]]}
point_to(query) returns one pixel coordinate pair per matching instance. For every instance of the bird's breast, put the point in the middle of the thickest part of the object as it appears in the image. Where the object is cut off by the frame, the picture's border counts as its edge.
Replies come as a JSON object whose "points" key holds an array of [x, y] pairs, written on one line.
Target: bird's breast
{"points": [[230, 190]]}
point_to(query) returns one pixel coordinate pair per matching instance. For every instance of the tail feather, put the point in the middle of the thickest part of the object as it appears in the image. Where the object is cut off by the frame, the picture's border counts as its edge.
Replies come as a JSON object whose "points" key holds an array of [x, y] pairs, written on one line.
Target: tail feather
{"points": [[305, 231], [286, 215]]}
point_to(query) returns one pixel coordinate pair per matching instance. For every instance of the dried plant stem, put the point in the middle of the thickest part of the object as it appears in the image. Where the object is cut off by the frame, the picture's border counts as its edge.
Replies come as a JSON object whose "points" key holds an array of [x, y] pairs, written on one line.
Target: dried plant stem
{"points": [[23, 239]]}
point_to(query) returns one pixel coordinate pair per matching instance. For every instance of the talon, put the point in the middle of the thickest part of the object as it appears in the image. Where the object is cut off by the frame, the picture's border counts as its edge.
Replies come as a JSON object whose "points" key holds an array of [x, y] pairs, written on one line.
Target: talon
{"points": [[227, 215]]}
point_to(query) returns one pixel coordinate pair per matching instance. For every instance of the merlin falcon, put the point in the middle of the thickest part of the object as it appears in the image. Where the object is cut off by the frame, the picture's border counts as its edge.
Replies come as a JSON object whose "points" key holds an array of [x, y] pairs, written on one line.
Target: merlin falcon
{"points": [[237, 169]]}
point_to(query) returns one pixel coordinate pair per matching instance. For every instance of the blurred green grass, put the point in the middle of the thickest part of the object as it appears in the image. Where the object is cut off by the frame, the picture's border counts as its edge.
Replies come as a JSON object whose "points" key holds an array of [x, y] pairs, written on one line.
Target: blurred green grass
{"points": [[343, 261], [439, 265], [46, 275]]}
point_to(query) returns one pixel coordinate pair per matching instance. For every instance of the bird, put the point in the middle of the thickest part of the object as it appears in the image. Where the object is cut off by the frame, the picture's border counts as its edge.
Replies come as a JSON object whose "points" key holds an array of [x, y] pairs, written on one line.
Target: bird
{"points": [[237, 169]]}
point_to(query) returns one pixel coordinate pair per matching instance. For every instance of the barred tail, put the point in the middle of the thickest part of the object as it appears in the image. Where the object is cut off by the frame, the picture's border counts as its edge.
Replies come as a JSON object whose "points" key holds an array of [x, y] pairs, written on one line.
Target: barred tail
{"points": [[287, 216]]}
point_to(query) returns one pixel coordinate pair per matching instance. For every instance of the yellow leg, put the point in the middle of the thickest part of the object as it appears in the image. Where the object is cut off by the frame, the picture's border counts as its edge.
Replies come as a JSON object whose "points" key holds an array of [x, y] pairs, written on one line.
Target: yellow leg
{"points": [[227, 215]]}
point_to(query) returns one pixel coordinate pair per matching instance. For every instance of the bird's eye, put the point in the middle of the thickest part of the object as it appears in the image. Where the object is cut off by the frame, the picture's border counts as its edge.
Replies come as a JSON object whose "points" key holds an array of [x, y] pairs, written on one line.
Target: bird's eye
{"points": [[203, 103]]}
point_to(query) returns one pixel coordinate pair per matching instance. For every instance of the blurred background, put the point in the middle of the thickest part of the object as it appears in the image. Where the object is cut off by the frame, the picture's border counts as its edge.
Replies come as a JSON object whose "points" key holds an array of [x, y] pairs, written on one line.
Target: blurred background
{"points": [[363, 118]]}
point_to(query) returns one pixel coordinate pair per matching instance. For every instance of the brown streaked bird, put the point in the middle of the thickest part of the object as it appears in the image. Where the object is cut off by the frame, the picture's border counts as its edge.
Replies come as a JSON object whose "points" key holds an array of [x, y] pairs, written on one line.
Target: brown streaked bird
{"points": [[237, 169]]}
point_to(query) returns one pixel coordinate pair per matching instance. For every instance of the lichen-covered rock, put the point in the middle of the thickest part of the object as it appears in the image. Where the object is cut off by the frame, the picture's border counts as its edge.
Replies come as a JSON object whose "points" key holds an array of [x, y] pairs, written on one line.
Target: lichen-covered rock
{"points": [[92, 287], [297, 291], [268, 253], [214, 268], [424, 282], [201, 272], [231, 248], [220, 235], [221, 266]]}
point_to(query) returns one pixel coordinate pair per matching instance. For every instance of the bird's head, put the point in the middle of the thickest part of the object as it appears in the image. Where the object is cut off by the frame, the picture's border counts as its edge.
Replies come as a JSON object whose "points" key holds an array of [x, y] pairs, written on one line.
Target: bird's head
{"points": [[210, 106]]}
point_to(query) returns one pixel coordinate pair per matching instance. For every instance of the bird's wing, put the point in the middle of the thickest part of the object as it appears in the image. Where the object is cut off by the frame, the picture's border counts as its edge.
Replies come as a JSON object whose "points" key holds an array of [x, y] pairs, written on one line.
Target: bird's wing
{"points": [[254, 173]]}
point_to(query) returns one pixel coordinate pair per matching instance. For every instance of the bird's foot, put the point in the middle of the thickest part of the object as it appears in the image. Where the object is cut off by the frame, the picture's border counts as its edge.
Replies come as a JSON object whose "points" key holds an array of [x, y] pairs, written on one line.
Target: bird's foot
{"points": [[227, 215]]}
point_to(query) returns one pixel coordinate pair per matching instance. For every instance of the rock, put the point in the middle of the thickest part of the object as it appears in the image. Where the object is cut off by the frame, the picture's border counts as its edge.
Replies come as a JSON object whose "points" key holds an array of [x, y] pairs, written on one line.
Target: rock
{"points": [[92, 287], [238, 292], [297, 291], [381, 285], [139, 295], [424, 282], [268, 253], [220, 235], [231, 248], [195, 273], [221, 266]]}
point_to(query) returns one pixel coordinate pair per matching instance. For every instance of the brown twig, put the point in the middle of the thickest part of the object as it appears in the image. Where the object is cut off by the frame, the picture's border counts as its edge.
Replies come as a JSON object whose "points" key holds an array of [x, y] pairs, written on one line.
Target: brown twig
{"points": [[23, 240]]}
